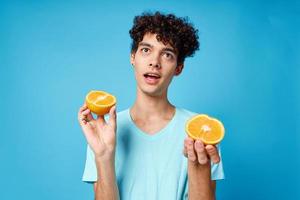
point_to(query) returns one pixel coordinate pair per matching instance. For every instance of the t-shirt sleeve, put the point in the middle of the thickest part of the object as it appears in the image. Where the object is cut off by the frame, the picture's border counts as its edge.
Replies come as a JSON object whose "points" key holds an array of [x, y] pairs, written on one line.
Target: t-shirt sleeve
{"points": [[217, 172], [90, 170]]}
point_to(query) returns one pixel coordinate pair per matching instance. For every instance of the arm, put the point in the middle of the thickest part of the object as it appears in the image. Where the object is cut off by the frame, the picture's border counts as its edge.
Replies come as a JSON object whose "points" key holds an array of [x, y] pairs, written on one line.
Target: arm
{"points": [[106, 186], [199, 179], [201, 187], [101, 136]]}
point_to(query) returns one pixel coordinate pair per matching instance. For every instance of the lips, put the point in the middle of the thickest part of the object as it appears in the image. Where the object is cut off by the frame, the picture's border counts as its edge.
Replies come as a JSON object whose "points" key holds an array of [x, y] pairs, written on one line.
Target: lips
{"points": [[152, 78], [152, 75]]}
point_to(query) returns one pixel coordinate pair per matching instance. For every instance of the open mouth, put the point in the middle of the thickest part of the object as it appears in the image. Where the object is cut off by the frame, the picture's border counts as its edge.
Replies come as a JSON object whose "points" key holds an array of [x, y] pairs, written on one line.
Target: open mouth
{"points": [[152, 78], [152, 75]]}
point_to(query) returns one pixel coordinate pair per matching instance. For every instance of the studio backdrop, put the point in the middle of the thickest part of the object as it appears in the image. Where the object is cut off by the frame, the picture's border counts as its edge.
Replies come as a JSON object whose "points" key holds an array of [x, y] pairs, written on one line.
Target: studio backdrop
{"points": [[247, 74]]}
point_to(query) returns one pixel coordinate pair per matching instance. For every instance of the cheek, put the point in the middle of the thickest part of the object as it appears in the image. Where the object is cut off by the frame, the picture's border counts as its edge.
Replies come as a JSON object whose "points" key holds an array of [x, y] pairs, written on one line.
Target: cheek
{"points": [[138, 73], [139, 60], [170, 77], [170, 73]]}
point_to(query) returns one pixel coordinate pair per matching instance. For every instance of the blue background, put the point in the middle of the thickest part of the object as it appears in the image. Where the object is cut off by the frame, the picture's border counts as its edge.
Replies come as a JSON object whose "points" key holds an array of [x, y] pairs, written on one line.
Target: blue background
{"points": [[246, 74]]}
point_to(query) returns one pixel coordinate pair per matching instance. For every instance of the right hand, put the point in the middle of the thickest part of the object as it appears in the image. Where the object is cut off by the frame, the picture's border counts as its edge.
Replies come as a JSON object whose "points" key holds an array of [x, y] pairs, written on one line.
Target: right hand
{"points": [[100, 135]]}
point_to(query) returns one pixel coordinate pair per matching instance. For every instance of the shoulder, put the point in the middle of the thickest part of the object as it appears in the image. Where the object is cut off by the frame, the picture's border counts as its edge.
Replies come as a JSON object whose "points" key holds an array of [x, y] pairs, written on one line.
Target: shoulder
{"points": [[120, 114], [123, 113], [185, 114], [182, 116], [123, 116]]}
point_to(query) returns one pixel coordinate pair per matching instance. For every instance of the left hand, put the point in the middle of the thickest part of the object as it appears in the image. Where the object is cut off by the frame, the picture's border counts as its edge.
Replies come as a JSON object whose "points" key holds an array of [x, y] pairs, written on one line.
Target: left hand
{"points": [[197, 151]]}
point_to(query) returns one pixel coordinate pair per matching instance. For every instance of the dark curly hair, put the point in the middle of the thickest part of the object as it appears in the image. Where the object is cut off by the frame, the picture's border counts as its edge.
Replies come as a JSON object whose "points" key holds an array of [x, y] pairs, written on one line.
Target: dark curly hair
{"points": [[176, 31]]}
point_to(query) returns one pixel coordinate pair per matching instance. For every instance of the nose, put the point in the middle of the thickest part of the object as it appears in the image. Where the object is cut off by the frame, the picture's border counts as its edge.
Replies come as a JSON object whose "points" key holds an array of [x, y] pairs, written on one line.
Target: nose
{"points": [[155, 62], [157, 65]]}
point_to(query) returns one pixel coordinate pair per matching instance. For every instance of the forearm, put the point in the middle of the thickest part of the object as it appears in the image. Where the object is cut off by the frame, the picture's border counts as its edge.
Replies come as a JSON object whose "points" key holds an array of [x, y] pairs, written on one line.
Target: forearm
{"points": [[106, 183], [199, 181]]}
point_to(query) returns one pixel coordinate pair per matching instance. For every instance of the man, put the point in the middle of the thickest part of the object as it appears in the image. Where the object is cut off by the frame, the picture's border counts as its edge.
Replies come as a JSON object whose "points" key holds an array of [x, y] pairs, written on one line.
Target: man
{"points": [[145, 157]]}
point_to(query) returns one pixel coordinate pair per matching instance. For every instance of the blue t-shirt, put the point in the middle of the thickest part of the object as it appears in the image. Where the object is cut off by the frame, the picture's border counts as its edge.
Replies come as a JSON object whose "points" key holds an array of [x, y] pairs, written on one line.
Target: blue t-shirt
{"points": [[150, 166]]}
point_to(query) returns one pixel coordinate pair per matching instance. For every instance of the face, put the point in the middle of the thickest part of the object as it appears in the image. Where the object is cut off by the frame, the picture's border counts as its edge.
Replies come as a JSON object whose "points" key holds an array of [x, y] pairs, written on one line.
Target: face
{"points": [[155, 64]]}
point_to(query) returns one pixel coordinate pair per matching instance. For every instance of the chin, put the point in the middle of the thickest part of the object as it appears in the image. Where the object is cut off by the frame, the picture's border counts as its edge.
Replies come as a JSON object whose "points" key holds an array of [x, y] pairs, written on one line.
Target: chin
{"points": [[153, 92]]}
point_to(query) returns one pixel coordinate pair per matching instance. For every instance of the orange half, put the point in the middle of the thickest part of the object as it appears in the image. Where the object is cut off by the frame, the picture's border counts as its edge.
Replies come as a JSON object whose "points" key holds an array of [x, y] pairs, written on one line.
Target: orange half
{"points": [[209, 130], [100, 102]]}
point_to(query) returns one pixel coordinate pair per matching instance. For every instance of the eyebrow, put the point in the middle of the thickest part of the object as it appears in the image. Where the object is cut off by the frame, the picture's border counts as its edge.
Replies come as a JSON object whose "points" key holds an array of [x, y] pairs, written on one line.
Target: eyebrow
{"points": [[151, 46]]}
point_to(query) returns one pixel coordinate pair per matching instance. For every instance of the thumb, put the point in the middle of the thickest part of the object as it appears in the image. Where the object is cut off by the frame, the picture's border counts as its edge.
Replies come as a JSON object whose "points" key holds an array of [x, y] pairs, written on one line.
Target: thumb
{"points": [[112, 116]]}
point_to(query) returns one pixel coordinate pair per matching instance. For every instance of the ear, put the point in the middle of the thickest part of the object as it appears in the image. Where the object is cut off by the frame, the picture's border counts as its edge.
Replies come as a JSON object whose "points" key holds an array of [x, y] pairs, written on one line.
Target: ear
{"points": [[179, 69], [132, 58]]}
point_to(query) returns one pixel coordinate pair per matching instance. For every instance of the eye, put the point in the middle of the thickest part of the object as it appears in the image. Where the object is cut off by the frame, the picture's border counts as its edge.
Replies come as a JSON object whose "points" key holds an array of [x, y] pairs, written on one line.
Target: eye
{"points": [[168, 55], [145, 50]]}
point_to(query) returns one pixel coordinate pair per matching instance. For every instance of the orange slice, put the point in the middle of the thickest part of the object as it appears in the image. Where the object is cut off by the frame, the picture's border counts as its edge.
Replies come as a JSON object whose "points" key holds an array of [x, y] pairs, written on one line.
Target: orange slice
{"points": [[209, 130], [100, 102]]}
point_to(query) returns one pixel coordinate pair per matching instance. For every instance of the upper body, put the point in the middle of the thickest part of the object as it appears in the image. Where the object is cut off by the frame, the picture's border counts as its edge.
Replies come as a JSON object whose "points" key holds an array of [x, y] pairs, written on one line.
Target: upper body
{"points": [[150, 166], [160, 44]]}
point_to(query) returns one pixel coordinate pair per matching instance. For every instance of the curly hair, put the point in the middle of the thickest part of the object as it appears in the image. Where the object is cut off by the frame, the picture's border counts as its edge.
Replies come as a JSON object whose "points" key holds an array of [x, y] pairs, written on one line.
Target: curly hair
{"points": [[176, 31]]}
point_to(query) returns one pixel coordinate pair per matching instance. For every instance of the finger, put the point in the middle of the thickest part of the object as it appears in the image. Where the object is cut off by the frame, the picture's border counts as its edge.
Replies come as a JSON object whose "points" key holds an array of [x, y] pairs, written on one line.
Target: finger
{"points": [[85, 112], [81, 117], [82, 108], [112, 116], [184, 151], [100, 119], [87, 115], [190, 150], [84, 115], [201, 152], [212, 151], [82, 120], [187, 140]]}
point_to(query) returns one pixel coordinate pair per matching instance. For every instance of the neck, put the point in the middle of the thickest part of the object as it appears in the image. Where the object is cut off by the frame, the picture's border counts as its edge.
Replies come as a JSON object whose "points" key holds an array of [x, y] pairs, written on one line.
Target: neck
{"points": [[148, 107]]}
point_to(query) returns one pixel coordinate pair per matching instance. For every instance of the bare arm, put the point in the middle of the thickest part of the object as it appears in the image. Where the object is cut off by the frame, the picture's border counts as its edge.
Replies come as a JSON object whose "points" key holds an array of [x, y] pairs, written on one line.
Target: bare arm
{"points": [[101, 136], [199, 180], [201, 187], [106, 186]]}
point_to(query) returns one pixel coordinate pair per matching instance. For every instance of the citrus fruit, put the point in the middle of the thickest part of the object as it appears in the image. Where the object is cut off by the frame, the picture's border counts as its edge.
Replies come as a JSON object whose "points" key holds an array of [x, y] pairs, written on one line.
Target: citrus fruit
{"points": [[100, 102], [209, 130]]}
